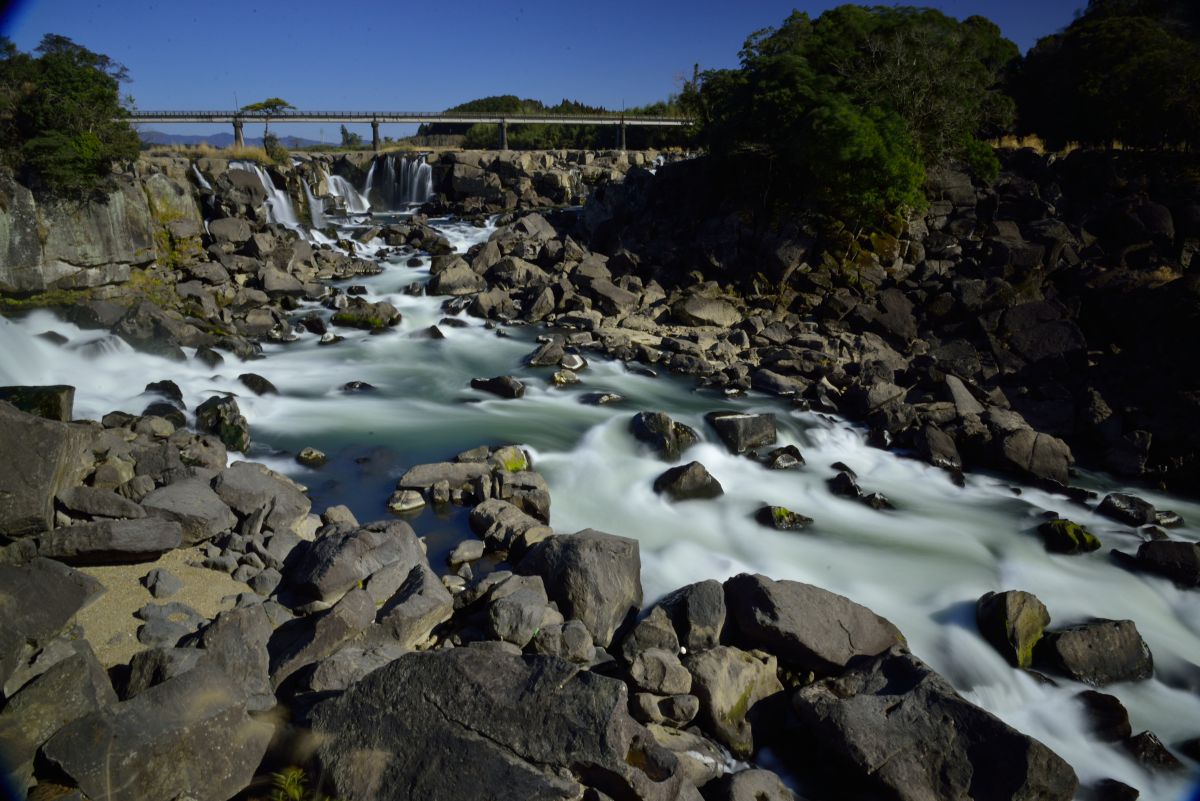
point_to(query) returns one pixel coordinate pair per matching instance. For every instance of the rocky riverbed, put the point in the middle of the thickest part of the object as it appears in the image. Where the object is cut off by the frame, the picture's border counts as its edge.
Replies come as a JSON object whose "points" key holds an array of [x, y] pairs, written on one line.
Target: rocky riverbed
{"points": [[533, 655]]}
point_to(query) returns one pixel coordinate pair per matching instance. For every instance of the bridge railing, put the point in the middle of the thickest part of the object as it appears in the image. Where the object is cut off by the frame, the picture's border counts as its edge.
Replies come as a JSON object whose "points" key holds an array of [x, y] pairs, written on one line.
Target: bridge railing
{"points": [[383, 116]]}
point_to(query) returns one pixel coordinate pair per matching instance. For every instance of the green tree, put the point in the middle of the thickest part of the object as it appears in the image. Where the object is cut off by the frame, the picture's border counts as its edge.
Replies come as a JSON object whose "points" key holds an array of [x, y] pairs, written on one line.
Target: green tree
{"points": [[61, 115], [271, 107], [351, 141], [851, 108]]}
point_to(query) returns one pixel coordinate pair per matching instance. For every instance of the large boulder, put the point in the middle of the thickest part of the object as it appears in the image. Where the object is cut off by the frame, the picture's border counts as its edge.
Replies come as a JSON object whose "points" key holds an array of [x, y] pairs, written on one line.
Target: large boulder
{"points": [[1128, 509], [592, 576], [418, 603], [665, 436], [51, 403], [339, 560], [1099, 652], [307, 640], [1178, 561], [187, 737], [688, 482], [730, 684], [697, 611], [248, 487], [1012, 622], [111, 542], [236, 642], [742, 432], [698, 310], [192, 503], [805, 626], [900, 730], [42, 458], [440, 725], [222, 417]]}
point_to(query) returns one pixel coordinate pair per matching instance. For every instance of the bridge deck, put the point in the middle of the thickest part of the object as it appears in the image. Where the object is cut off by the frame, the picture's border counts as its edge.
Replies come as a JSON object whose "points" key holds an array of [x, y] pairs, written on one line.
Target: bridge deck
{"points": [[404, 117]]}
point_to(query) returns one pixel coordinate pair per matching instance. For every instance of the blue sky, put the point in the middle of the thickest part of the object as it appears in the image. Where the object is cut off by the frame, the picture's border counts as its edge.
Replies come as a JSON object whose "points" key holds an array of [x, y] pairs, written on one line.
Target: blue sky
{"points": [[428, 56]]}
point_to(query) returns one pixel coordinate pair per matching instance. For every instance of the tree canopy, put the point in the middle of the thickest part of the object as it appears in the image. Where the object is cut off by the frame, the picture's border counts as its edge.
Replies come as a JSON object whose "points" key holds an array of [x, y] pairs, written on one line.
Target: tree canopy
{"points": [[61, 112], [1125, 71], [856, 104]]}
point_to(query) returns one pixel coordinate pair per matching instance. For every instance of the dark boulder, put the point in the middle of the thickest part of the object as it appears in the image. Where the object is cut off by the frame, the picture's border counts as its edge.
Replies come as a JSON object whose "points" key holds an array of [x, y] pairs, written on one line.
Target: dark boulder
{"points": [[688, 482], [504, 386], [1106, 716], [111, 542], [805, 626], [222, 417], [1064, 536], [698, 613], [781, 518], [192, 503], [247, 487], [1098, 653], [339, 560], [753, 784], [592, 576], [50, 403], [50, 455], [1128, 509], [665, 436], [743, 432], [902, 731], [1178, 561], [257, 384], [1012, 622]]}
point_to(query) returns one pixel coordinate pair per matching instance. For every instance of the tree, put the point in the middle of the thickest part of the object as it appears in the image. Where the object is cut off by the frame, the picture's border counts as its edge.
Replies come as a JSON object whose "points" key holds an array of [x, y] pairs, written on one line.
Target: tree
{"points": [[351, 141], [61, 115], [853, 107], [271, 107]]}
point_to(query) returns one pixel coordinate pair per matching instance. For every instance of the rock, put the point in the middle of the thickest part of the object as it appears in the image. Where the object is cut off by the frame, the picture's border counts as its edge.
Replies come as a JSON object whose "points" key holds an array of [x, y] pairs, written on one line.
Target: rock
{"points": [[1107, 716], [674, 710], [420, 603], [236, 642], [99, 503], [466, 551], [743, 432], [907, 734], [753, 784], [458, 279], [265, 581], [189, 736], [51, 453], [339, 560], [665, 436], [222, 417], [488, 719], [257, 384], [700, 759], [248, 487], [50, 403], [373, 317], [517, 616], [1063, 536], [1151, 754], [1036, 455], [311, 457], [688, 482], [1012, 622], [593, 577], [70, 689], [730, 683], [199, 511], [1128, 509], [698, 613], [1176, 560], [504, 386], [805, 626], [655, 670], [350, 663], [1098, 653], [786, 458], [696, 310], [153, 666], [654, 631], [162, 583], [111, 542], [781, 519], [308, 640], [230, 229], [503, 526]]}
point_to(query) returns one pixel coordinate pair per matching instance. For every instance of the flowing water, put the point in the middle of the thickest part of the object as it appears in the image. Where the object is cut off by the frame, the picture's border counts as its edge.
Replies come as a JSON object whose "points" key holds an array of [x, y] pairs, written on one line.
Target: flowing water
{"points": [[923, 566], [396, 182]]}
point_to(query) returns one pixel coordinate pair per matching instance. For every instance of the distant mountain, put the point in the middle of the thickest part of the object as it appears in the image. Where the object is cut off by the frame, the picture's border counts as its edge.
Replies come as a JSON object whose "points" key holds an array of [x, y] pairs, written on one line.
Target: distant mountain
{"points": [[217, 140]]}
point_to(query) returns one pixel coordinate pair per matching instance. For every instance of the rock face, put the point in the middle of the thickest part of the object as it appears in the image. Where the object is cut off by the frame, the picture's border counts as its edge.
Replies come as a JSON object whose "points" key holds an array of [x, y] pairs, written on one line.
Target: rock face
{"points": [[593, 577], [523, 727], [907, 734], [189, 736], [805, 626], [51, 453]]}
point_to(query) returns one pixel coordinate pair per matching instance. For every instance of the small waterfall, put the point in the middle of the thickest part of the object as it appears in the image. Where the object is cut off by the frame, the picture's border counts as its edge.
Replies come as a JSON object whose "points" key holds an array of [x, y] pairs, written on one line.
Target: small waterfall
{"points": [[279, 205], [354, 201], [316, 206], [200, 179], [405, 180]]}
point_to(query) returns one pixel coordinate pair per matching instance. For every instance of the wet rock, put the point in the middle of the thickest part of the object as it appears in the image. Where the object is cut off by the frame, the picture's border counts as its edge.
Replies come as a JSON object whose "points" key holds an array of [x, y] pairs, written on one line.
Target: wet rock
{"points": [[50, 403], [337, 561], [697, 612], [786, 458], [222, 417], [1109, 790], [688, 482], [505, 386], [192, 503], [593, 577], [730, 683], [1106, 715], [488, 719], [1176, 560], [189, 736], [665, 436], [805, 626], [111, 542], [257, 384], [903, 731], [781, 518], [373, 317], [1128, 509], [1012, 622], [1151, 754], [311, 457], [1098, 653], [1063, 536], [743, 432]]}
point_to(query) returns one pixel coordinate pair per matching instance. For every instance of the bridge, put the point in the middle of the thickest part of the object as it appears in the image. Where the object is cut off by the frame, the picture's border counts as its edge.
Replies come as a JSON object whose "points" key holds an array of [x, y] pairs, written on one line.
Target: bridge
{"points": [[375, 118]]}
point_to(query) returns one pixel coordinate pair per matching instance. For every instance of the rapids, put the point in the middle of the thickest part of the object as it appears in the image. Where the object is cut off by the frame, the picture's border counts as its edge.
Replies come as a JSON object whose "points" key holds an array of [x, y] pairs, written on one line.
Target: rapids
{"points": [[922, 566]]}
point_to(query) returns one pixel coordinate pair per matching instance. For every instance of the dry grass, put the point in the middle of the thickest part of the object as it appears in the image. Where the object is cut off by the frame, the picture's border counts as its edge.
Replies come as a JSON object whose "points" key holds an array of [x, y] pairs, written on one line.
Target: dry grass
{"points": [[203, 151], [1035, 143]]}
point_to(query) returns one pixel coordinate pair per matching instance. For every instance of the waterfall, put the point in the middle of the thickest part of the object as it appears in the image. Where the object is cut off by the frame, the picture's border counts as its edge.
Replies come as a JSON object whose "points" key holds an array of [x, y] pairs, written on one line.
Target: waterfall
{"points": [[340, 187], [405, 180], [279, 205], [316, 206], [200, 179]]}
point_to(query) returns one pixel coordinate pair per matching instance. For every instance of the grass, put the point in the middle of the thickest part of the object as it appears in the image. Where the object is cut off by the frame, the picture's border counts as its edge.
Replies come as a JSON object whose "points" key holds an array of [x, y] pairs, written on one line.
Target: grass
{"points": [[202, 151]]}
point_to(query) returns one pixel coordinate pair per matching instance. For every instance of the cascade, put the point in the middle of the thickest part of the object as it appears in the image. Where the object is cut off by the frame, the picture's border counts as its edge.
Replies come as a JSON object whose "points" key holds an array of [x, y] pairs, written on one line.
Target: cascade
{"points": [[354, 201], [399, 180], [316, 206], [200, 179], [279, 205]]}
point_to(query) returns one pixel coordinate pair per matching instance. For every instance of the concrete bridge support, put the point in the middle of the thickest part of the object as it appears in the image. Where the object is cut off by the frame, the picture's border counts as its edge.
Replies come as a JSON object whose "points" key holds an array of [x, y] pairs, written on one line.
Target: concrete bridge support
{"points": [[375, 144], [622, 126], [504, 134], [239, 139]]}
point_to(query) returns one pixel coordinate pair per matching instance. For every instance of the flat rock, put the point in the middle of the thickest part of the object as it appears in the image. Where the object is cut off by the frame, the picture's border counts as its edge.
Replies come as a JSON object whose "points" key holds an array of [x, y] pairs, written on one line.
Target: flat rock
{"points": [[805, 626], [111, 542], [200, 512], [99, 503], [1098, 653]]}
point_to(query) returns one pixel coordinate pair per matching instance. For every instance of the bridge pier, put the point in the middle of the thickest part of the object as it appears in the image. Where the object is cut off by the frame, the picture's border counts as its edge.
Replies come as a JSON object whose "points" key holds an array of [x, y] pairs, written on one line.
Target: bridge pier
{"points": [[239, 140], [622, 126], [375, 135], [504, 134]]}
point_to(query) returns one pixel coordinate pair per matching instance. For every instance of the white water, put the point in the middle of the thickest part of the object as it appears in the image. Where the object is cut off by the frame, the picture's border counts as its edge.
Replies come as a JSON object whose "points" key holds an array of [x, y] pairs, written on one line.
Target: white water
{"points": [[279, 204], [340, 187], [922, 566], [200, 179], [316, 207], [401, 182]]}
